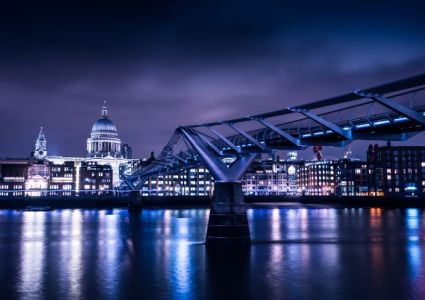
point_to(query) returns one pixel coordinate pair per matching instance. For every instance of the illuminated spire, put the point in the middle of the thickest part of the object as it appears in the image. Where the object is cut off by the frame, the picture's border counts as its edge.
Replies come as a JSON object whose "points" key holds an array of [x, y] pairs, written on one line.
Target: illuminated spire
{"points": [[40, 145], [104, 110]]}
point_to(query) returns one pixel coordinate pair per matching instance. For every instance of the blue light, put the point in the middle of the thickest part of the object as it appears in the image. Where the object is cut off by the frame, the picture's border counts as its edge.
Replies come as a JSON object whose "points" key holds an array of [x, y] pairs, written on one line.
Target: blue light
{"points": [[412, 212], [400, 119], [381, 122], [411, 187]]}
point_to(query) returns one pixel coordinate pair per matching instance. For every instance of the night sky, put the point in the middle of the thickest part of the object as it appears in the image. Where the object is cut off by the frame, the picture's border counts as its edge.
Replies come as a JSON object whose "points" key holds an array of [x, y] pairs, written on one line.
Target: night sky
{"points": [[164, 64]]}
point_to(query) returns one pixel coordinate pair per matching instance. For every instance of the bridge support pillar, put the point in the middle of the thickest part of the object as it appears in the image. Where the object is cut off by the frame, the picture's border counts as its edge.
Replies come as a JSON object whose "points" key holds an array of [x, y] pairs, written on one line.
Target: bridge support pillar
{"points": [[228, 222], [135, 202]]}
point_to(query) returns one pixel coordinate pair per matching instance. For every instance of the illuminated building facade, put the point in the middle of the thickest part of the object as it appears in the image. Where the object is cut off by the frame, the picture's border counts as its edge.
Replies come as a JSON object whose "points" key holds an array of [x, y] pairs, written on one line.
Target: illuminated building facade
{"points": [[40, 146], [352, 178], [398, 171], [104, 140], [37, 181], [62, 179], [189, 182], [103, 153], [13, 173], [42, 175], [375, 172], [272, 177], [318, 178], [95, 178]]}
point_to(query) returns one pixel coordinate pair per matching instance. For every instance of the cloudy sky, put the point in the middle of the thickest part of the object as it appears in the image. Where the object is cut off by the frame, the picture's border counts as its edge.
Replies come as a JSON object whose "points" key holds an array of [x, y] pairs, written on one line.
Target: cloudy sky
{"points": [[162, 64]]}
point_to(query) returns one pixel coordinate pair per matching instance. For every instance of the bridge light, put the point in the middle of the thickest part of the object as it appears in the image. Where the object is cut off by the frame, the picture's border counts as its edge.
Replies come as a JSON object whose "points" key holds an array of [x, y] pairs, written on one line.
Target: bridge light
{"points": [[400, 119], [363, 125], [381, 122]]}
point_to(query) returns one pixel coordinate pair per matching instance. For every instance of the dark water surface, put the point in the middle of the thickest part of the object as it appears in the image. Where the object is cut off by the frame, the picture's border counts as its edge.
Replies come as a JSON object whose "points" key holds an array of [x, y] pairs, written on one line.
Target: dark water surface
{"points": [[297, 253]]}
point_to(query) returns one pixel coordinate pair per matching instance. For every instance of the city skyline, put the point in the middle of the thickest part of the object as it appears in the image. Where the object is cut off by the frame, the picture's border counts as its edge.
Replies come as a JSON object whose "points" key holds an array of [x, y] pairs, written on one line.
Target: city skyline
{"points": [[163, 65], [306, 154]]}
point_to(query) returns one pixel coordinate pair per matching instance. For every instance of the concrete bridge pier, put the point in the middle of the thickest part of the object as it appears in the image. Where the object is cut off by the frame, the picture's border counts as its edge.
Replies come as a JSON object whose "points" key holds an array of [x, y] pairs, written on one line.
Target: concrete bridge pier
{"points": [[135, 202], [228, 222]]}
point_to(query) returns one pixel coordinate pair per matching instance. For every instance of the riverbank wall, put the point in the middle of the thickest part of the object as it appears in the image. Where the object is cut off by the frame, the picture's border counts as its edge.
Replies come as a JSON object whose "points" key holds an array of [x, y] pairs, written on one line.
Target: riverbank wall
{"points": [[192, 201]]}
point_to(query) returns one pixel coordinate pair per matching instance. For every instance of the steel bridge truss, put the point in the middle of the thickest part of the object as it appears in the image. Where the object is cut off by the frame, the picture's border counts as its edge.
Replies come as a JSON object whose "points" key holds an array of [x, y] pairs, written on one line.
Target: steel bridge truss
{"points": [[228, 156]]}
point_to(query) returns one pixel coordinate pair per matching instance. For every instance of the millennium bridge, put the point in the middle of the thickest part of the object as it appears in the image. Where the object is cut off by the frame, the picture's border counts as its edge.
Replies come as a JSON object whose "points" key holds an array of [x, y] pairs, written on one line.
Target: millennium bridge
{"points": [[392, 111]]}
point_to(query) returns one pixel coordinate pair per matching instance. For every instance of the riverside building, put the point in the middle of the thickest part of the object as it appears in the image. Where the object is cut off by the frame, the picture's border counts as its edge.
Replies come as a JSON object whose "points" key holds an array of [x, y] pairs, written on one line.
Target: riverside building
{"points": [[272, 177], [41, 174], [318, 178], [189, 182], [352, 178], [397, 171]]}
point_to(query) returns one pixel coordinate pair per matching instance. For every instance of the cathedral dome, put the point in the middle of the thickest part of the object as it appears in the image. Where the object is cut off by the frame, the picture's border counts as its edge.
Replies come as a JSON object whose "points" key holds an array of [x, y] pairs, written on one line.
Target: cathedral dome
{"points": [[104, 125], [104, 140]]}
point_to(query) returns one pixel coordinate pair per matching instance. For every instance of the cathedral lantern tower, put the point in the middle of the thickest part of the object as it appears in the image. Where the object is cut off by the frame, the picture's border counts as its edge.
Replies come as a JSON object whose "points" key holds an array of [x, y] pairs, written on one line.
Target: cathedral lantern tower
{"points": [[104, 140], [40, 146]]}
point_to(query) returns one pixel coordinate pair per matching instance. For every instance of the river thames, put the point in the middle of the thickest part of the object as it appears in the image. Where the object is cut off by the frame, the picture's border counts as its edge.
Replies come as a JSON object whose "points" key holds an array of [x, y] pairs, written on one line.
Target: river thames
{"points": [[298, 252]]}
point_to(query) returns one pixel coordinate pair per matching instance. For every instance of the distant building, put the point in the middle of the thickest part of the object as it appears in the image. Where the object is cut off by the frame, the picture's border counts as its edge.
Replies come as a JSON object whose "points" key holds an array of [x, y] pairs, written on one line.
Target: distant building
{"points": [[13, 173], [318, 178], [103, 149], [40, 151], [189, 182], [375, 172], [41, 175], [63, 179], [95, 178], [126, 151], [272, 177], [397, 171], [104, 140], [37, 181], [352, 178]]}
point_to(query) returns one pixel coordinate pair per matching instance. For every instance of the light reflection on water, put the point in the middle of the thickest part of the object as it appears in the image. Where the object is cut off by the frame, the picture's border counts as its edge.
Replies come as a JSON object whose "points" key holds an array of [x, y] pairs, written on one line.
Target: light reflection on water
{"points": [[32, 256], [297, 252]]}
